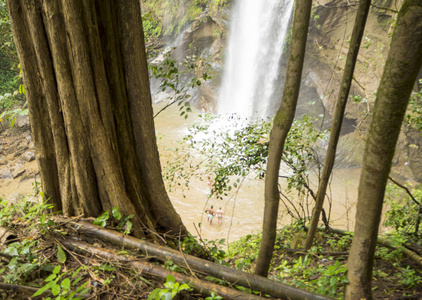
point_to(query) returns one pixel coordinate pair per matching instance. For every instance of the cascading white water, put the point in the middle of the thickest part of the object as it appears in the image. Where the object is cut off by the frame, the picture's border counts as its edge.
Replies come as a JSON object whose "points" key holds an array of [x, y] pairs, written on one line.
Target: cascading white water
{"points": [[257, 32]]}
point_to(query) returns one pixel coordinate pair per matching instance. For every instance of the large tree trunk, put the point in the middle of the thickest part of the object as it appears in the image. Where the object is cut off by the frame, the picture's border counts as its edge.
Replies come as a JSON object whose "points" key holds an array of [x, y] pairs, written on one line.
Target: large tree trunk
{"points": [[402, 66], [346, 82], [85, 72], [282, 123]]}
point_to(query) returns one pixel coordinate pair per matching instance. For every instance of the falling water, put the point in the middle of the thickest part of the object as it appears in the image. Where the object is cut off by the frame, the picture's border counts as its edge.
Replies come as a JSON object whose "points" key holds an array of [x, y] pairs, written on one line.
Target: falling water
{"points": [[257, 32]]}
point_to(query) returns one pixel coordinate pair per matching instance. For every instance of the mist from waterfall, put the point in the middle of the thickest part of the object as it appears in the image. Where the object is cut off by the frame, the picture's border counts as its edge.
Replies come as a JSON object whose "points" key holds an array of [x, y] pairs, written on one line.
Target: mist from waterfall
{"points": [[257, 32]]}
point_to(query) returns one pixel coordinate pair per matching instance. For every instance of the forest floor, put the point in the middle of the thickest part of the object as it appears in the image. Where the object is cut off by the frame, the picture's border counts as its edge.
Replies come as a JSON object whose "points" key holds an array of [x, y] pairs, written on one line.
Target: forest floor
{"points": [[32, 249]]}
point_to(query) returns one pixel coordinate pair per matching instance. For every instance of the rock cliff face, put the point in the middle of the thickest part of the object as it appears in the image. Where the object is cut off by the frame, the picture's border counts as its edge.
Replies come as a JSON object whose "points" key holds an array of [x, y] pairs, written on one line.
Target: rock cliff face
{"points": [[330, 30]]}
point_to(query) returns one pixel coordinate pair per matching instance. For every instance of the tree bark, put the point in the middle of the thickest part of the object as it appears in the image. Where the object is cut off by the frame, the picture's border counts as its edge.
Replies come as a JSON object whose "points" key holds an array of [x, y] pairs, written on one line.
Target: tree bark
{"points": [[84, 69], [282, 123], [402, 66], [346, 83]]}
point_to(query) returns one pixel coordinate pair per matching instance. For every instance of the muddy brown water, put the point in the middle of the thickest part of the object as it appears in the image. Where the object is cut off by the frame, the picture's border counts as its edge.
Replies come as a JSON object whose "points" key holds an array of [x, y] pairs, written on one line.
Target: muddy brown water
{"points": [[243, 211]]}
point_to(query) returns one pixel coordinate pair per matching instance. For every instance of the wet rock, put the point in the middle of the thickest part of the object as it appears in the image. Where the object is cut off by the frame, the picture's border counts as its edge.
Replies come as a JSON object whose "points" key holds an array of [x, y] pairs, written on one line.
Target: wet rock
{"points": [[18, 172], [28, 156], [11, 149], [19, 152], [3, 161], [22, 121], [6, 174]]}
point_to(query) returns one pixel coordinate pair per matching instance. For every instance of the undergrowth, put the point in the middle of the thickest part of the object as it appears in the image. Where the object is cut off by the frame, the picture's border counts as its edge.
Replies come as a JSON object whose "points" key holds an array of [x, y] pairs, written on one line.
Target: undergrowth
{"points": [[38, 259]]}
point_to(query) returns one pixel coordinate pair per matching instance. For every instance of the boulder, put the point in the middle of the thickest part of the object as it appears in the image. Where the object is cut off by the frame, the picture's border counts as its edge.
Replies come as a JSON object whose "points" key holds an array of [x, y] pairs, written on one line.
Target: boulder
{"points": [[6, 174], [28, 156]]}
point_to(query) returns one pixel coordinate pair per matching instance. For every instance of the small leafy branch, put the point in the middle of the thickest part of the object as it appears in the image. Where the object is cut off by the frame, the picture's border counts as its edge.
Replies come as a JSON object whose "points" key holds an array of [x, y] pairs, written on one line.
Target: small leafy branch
{"points": [[178, 81], [64, 286], [171, 289], [124, 222], [240, 150]]}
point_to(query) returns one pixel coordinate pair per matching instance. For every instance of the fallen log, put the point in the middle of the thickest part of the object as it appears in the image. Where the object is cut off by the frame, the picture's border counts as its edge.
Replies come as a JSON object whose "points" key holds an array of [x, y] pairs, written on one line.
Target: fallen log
{"points": [[255, 282], [22, 289], [394, 246], [31, 290], [201, 286], [6, 237]]}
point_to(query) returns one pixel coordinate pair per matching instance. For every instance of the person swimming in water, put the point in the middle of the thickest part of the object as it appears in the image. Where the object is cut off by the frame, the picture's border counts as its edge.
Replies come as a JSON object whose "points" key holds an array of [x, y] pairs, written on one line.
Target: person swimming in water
{"points": [[211, 214], [219, 213]]}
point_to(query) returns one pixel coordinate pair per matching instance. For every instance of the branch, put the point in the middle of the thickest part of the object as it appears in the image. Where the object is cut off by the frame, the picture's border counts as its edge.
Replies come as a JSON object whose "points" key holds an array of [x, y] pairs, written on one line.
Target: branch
{"points": [[406, 189], [385, 8]]}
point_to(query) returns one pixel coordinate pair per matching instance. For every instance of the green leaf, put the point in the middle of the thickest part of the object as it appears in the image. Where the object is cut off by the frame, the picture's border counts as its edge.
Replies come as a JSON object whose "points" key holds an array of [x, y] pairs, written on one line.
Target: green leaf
{"points": [[102, 220], [50, 278], [55, 289], [153, 295], [79, 289], [170, 279], [107, 268], [61, 255], [116, 214], [57, 269], [40, 291], [65, 284]]}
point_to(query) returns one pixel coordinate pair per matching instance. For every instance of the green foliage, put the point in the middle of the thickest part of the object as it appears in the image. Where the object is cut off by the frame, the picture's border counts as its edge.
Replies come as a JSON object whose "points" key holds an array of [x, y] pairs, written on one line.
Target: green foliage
{"points": [[409, 277], [331, 280], [7, 102], [404, 214], [178, 81], [152, 26], [24, 260], [170, 290], [190, 245], [414, 115], [214, 296], [8, 56], [172, 16], [124, 223], [237, 152], [25, 253], [29, 211], [64, 285], [240, 150], [342, 243], [213, 248]]}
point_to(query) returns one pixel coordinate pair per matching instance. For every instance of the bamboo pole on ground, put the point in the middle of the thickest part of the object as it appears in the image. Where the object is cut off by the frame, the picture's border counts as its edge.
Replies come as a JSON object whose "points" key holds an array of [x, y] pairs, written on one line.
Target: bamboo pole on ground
{"points": [[255, 282], [201, 286]]}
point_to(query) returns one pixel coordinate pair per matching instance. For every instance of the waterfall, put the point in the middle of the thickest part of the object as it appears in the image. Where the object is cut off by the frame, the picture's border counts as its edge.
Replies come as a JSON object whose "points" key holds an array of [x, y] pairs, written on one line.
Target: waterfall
{"points": [[257, 32]]}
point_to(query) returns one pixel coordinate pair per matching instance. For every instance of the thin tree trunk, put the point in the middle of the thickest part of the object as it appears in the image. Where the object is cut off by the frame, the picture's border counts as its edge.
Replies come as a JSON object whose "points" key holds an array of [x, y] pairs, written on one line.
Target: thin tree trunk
{"points": [[282, 123], [402, 66], [346, 82]]}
